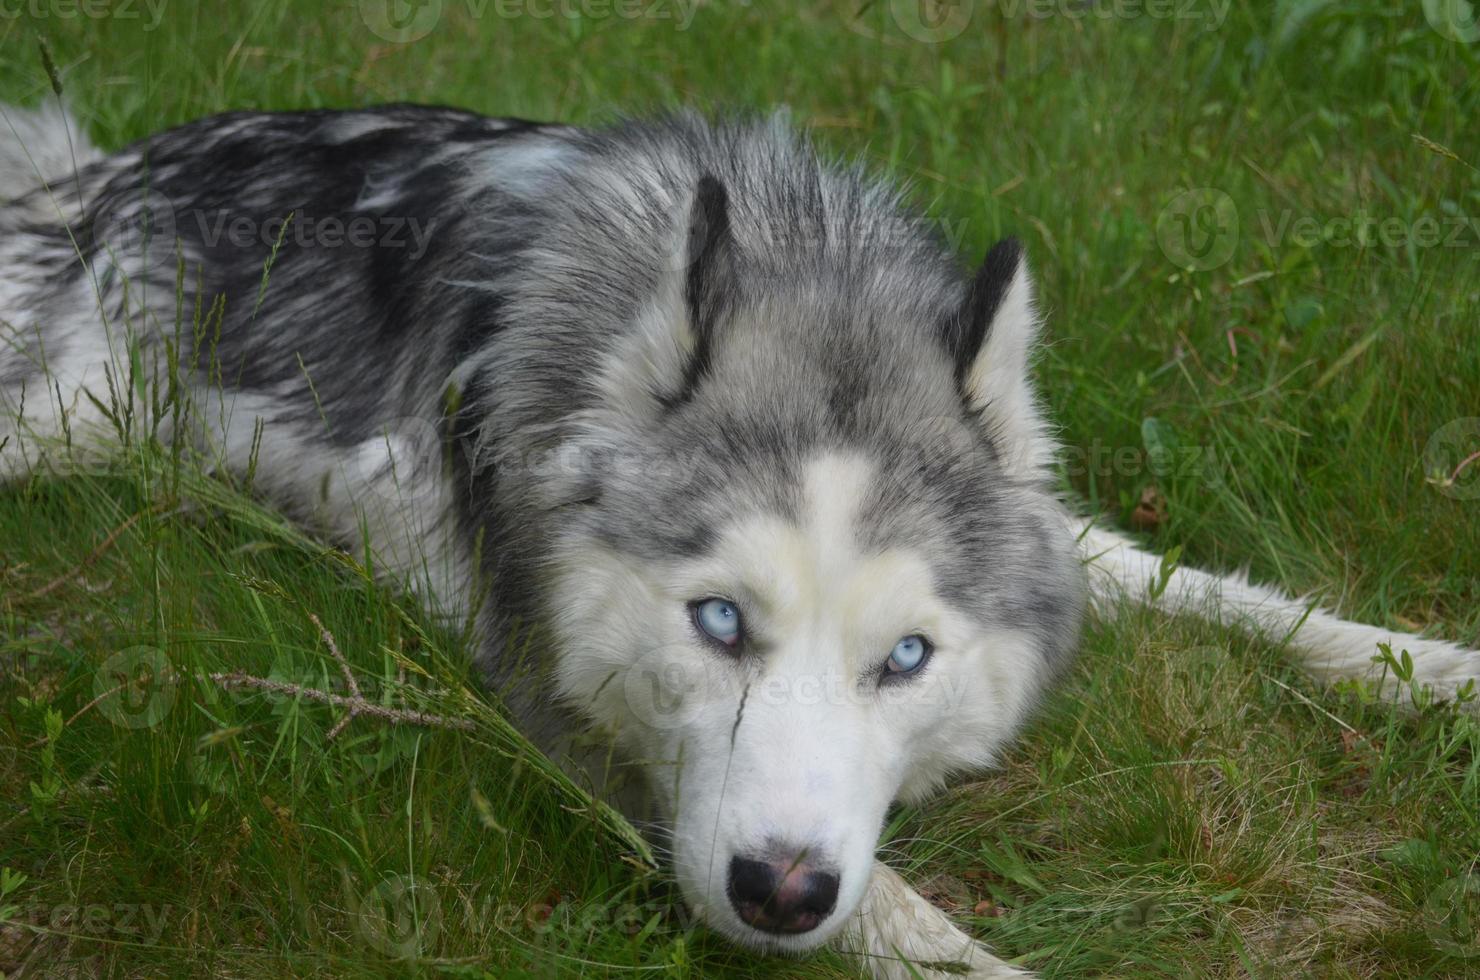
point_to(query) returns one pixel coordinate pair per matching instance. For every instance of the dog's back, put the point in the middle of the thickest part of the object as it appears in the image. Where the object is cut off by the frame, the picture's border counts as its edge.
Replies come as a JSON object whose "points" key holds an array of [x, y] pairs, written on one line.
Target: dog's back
{"points": [[291, 271], [306, 226]]}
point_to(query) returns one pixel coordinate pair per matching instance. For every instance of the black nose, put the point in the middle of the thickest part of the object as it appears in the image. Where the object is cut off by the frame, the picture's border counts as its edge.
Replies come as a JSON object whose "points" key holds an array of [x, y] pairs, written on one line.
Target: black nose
{"points": [[781, 895]]}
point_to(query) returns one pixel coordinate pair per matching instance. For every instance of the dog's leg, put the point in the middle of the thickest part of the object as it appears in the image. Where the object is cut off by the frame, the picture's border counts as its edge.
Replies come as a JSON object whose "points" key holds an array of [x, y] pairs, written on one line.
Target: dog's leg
{"points": [[1328, 647], [69, 391], [62, 413], [898, 935]]}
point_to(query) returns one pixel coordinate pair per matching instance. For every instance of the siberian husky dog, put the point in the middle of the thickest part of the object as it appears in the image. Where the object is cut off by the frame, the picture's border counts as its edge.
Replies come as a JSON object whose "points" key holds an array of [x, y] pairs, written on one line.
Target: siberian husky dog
{"points": [[721, 421]]}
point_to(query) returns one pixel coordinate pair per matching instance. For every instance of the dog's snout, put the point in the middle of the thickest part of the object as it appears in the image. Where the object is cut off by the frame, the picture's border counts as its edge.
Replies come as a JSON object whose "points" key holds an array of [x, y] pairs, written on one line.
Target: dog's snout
{"points": [[785, 895]]}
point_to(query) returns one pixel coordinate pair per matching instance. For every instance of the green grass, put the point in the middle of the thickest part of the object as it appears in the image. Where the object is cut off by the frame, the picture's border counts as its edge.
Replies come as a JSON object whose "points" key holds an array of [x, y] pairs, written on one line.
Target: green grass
{"points": [[1187, 804]]}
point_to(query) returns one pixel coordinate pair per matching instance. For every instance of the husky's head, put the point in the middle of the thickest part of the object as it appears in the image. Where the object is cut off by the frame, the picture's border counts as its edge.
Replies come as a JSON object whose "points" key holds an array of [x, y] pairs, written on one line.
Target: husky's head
{"points": [[818, 568]]}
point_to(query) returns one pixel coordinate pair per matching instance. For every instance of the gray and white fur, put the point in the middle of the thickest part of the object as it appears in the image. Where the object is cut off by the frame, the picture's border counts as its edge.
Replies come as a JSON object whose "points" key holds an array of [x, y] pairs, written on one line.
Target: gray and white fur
{"points": [[588, 383]]}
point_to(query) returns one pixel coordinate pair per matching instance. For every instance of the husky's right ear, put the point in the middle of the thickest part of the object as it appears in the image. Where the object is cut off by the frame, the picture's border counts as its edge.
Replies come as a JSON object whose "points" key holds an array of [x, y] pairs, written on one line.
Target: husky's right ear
{"points": [[991, 340]]}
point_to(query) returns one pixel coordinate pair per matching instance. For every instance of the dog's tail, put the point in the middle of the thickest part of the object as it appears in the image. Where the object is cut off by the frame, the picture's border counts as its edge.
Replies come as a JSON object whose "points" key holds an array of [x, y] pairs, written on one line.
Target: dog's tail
{"points": [[41, 146], [1326, 646]]}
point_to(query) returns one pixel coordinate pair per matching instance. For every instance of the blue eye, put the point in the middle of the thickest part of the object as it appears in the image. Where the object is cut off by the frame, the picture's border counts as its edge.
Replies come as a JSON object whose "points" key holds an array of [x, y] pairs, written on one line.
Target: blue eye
{"points": [[909, 655], [719, 618]]}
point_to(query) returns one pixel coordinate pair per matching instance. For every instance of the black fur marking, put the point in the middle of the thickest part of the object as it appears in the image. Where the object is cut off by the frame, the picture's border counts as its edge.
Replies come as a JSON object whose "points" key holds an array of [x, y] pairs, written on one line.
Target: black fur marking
{"points": [[709, 285], [967, 332]]}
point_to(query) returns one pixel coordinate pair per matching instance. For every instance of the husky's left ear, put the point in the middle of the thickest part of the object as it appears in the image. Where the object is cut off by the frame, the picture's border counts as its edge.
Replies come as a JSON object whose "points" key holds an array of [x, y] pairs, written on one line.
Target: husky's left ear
{"points": [[665, 357], [709, 275], [991, 341]]}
